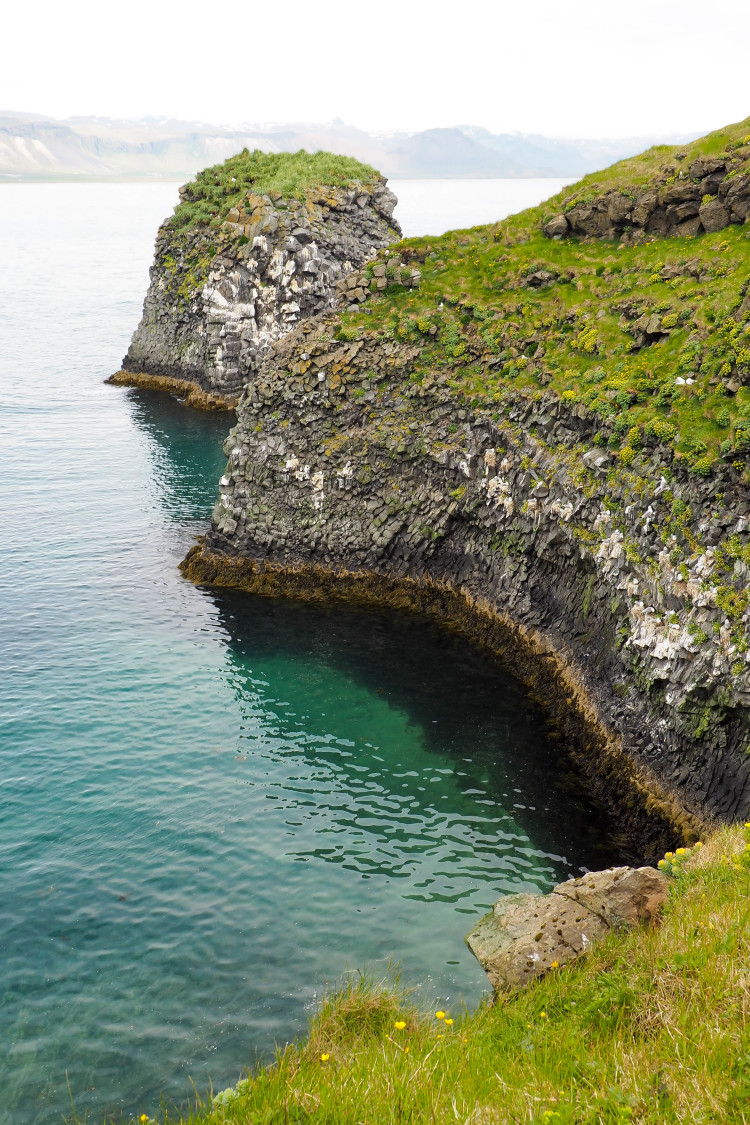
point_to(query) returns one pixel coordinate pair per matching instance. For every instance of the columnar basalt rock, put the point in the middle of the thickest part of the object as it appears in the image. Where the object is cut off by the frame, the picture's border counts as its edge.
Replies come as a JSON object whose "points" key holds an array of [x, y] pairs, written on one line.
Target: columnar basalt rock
{"points": [[218, 298], [348, 478], [680, 202]]}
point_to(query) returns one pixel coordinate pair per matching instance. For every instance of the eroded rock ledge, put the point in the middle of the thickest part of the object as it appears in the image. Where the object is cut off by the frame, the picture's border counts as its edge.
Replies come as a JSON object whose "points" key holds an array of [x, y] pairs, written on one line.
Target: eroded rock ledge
{"points": [[347, 479], [218, 299]]}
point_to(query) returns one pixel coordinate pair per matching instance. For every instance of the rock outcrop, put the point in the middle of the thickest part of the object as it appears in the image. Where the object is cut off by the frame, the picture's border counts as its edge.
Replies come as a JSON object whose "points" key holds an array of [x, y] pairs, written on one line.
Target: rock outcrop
{"points": [[527, 935], [346, 478], [220, 296], [707, 195]]}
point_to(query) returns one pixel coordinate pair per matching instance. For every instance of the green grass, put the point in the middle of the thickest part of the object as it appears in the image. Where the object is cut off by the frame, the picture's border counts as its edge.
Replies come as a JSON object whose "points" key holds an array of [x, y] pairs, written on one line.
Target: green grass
{"points": [[284, 175], [638, 170], [494, 332], [652, 1028]]}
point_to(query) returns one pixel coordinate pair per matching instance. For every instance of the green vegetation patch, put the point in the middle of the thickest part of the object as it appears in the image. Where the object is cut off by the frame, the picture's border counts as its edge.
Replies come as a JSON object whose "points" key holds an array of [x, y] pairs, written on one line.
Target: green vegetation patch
{"points": [[652, 1027], [651, 341], [207, 199]]}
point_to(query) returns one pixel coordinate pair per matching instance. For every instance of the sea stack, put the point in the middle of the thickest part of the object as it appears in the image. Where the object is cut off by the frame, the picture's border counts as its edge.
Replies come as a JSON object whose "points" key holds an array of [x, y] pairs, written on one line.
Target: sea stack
{"points": [[255, 245]]}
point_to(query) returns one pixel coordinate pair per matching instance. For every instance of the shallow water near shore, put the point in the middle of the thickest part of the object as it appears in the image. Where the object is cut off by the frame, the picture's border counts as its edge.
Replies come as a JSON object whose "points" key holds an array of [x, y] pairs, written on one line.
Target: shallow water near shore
{"points": [[211, 804]]}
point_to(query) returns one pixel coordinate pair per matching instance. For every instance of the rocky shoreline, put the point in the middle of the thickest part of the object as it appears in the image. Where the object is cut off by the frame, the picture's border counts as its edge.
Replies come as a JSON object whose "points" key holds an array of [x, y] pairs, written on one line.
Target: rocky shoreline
{"points": [[407, 449]]}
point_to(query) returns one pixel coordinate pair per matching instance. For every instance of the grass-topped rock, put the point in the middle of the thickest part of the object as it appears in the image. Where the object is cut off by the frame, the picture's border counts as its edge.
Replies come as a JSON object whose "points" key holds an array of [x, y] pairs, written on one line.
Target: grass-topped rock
{"points": [[704, 186], [255, 245]]}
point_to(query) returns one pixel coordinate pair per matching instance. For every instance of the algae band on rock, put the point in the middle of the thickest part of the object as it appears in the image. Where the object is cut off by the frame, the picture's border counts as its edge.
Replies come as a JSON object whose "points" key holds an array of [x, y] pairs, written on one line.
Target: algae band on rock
{"points": [[255, 245], [543, 442]]}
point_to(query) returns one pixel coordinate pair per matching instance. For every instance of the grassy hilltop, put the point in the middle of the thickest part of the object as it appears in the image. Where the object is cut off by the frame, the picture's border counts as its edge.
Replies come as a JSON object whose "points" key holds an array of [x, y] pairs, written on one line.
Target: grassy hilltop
{"points": [[619, 329], [208, 199]]}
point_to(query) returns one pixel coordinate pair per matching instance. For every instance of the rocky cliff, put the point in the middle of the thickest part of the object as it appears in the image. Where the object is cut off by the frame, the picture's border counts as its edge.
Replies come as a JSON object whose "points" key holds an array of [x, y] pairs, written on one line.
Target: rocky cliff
{"points": [[237, 267], [490, 439], [683, 198]]}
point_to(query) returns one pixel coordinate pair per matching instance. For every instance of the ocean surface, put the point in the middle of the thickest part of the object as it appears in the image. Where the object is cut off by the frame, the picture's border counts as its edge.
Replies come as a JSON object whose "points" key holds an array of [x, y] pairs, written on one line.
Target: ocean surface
{"points": [[213, 805]]}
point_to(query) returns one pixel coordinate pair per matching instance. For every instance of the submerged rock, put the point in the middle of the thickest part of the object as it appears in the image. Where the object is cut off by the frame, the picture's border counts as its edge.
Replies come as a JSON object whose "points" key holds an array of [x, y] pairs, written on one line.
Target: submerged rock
{"points": [[526, 935]]}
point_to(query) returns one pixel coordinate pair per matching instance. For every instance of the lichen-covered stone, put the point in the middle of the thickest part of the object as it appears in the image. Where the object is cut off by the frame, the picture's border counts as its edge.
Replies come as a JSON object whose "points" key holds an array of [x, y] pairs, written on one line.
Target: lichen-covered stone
{"points": [[526, 935]]}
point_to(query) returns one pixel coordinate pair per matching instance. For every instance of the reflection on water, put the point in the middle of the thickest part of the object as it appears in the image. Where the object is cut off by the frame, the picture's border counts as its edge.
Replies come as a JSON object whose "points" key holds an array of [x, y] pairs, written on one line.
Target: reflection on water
{"points": [[424, 761], [185, 450]]}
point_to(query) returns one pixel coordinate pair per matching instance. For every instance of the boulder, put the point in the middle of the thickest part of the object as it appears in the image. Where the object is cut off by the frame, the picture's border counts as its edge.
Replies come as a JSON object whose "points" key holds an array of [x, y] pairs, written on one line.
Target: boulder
{"points": [[644, 207], [680, 192], [714, 216], [689, 228], [619, 208], [526, 935], [735, 194], [557, 227]]}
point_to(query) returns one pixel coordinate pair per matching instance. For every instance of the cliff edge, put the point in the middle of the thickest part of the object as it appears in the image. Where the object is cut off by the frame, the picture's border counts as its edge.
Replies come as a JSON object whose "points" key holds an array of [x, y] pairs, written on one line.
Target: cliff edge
{"points": [[255, 245]]}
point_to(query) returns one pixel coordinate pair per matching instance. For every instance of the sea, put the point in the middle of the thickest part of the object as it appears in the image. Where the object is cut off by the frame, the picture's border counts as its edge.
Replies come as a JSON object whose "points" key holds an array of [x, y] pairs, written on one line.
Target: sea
{"points": [[213, 807]]}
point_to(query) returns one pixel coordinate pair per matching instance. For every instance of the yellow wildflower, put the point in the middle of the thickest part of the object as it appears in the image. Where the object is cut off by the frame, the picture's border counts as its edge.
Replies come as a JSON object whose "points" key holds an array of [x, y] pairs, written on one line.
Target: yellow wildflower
{"points": [[440, 1015], [681, 851], [324, 1058], [555, 965], [143, 1118], [448, 1023], [543, 1015], [400, 1025]]}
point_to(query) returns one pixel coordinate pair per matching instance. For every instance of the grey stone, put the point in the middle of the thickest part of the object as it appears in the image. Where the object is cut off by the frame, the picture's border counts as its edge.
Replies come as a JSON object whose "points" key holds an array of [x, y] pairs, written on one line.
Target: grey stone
{"points": [[714, 216], [525, 936], [557, 227]]}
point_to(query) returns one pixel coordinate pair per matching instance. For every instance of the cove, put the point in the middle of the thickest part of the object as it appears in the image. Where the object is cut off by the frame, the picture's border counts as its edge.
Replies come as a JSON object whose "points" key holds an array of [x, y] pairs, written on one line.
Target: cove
{"points": [[223, 802], [212, 803]]}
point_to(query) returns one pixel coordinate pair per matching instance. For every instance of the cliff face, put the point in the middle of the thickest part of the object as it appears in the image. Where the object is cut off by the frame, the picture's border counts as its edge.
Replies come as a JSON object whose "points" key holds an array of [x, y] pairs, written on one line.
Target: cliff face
{"points": [[545, 443], [345, 479], [219, 297]]}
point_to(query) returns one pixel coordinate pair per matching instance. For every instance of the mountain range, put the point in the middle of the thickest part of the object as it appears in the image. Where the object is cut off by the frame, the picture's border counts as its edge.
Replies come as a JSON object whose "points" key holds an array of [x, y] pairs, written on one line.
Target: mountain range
{"points": [[35, 147]]}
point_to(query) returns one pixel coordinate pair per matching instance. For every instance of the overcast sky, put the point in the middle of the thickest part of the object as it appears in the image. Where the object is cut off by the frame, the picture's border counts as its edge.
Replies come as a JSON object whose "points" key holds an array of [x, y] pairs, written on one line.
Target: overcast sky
{"points": [[591, 68]]}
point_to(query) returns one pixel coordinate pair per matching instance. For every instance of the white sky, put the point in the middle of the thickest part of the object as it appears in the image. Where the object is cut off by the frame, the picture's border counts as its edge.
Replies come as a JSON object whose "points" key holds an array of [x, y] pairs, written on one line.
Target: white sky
{"points": [[591, 68]]}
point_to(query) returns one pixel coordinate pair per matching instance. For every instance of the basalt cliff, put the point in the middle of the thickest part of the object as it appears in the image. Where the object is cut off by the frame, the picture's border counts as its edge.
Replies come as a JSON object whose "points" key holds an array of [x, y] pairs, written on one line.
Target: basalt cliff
{"points": [[540, 436], [255, 245]]}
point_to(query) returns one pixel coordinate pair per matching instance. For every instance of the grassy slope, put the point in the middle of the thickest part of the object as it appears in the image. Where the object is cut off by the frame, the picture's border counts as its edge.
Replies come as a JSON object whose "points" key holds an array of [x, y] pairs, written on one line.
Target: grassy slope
{"points": [[290, 175], [651, 1028], [495, 333]]}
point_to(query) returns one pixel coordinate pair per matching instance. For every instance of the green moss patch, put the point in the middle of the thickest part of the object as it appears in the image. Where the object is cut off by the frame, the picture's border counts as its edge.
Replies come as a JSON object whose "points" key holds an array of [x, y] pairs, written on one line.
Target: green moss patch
{"points": [[207, 199]]}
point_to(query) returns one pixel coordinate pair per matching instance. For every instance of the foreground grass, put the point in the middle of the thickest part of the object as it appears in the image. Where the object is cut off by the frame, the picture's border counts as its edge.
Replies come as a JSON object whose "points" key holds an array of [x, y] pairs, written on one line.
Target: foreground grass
{"points": [[652, 1028]]}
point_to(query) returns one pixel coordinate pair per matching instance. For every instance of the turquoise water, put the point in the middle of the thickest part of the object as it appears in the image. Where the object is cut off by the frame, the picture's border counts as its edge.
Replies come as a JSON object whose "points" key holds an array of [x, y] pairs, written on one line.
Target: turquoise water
{"points": [[210, 804]]}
